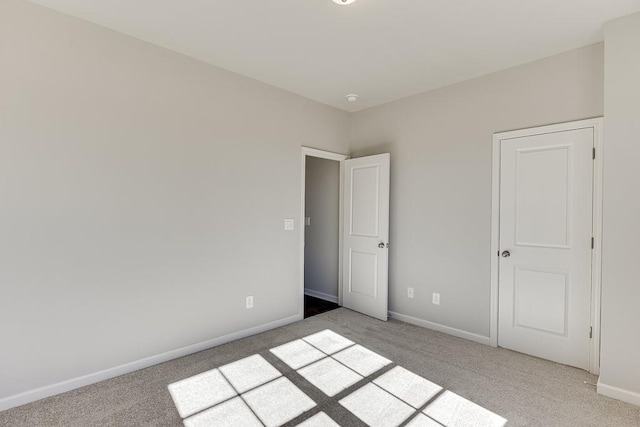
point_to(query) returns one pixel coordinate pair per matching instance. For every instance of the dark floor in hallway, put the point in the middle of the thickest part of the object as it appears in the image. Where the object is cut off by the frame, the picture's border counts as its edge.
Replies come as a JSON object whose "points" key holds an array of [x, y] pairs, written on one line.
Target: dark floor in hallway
{"points": [[314, 306]]}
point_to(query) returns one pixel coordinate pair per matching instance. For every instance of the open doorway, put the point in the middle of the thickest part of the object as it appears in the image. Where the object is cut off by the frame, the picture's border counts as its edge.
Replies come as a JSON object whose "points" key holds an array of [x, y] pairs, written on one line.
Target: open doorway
{"points": [[321, 231], [362, 238]]}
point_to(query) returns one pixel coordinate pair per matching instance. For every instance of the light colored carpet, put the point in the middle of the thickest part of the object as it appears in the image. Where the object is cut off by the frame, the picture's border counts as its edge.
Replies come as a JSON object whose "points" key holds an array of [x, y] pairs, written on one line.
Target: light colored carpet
{"points": [[382, 397], [525, 390]]}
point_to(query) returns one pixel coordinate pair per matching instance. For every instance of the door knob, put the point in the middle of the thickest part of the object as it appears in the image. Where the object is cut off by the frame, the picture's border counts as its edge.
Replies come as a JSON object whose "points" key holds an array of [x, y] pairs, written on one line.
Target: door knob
{"points": [[506, 254], [381, 245]]}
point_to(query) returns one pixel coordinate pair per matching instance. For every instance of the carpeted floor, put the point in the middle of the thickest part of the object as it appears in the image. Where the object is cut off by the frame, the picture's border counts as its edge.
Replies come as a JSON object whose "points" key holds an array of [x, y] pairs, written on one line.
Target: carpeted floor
{"points": [[523, 389], [252, 392]]}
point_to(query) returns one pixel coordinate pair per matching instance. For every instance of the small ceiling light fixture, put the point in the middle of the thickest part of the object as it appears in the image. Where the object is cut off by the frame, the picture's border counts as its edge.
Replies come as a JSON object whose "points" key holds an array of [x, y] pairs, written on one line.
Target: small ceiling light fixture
{"points": [[343, 2], [352, 97]]}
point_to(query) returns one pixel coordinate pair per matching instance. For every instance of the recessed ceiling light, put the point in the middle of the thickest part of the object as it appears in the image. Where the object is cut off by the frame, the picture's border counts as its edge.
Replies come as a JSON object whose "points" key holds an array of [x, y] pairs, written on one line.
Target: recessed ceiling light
{"points": [[352, 97], [343, 2]]}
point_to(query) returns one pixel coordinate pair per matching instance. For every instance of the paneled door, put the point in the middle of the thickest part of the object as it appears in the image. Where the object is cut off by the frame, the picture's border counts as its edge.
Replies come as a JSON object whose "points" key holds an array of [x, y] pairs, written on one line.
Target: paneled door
{"points": [[546, 198], [366, 235]]}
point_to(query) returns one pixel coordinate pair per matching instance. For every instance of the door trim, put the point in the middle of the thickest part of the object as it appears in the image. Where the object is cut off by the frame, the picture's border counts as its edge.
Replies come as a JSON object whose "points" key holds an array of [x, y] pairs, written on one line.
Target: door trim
{"points": [[596, 254], [313, 152]]}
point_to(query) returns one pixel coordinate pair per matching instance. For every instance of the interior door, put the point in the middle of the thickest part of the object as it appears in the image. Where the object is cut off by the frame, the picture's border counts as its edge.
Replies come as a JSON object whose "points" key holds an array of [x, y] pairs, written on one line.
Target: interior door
{"points": [[546, 201], [366, 235]]}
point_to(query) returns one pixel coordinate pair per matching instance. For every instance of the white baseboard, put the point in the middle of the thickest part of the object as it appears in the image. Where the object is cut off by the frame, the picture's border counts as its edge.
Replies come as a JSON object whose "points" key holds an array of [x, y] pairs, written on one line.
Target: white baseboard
{"points": [[441, 328], [321, 295], [68, 385], [619, 393]]}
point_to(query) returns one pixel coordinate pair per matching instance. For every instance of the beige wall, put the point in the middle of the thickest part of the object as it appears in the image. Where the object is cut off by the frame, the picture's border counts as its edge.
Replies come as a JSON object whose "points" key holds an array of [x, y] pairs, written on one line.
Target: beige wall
{"points": [[138, 185], [321, 237], [440, 144], [143, 195], [620, 361]]}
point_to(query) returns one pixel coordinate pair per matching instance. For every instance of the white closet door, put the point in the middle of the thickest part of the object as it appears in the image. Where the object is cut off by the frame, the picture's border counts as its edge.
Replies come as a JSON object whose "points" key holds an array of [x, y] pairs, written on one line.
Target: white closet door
{"points": [[545, 245]]}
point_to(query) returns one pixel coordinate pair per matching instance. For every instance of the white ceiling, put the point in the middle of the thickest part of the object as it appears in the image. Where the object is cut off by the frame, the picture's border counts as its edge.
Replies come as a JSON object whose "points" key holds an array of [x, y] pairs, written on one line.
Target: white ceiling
{"points": [[382, 50]]}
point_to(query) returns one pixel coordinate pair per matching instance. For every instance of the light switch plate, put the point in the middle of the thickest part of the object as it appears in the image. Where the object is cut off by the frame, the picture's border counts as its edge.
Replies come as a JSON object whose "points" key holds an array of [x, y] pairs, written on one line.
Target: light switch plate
{"points": [[436, 298], [307, 220], [289, 224]]}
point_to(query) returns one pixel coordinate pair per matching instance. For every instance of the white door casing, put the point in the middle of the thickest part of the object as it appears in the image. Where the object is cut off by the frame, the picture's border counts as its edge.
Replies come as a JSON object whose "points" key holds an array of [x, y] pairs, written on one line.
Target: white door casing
{"points": [[366, 235], [545, 245], [313, 152]]}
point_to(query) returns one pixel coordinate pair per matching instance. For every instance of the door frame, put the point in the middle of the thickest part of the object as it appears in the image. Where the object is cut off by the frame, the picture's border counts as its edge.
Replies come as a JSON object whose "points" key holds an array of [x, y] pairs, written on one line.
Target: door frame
{"points": [[596, 253], [313, 152]]}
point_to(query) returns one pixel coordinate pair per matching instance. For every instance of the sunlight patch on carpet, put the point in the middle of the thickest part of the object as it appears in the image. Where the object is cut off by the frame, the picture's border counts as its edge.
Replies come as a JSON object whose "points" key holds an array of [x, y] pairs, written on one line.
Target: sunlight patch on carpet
{"points": [[200, 392], [407, 386], [297, 354], [330, 376], [357, 383], [232, 413], [278, 402], [376, 407], [423, 421], [319, 420], [450, 409], [328, 341], [362, 360], [249, 372]]}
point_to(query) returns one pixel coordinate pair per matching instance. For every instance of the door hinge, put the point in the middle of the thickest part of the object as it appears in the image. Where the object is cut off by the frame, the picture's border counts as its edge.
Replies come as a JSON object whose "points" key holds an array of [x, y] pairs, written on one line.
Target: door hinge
{"points": [[590, 331], [594, 153], [592, 243]]}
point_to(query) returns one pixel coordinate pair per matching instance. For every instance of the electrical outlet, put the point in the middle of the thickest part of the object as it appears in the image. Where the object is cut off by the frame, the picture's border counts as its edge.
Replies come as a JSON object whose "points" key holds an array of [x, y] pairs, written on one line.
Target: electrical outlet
{"points": [[249, 302], [289, 224], [436, 299], [409, 292]]}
